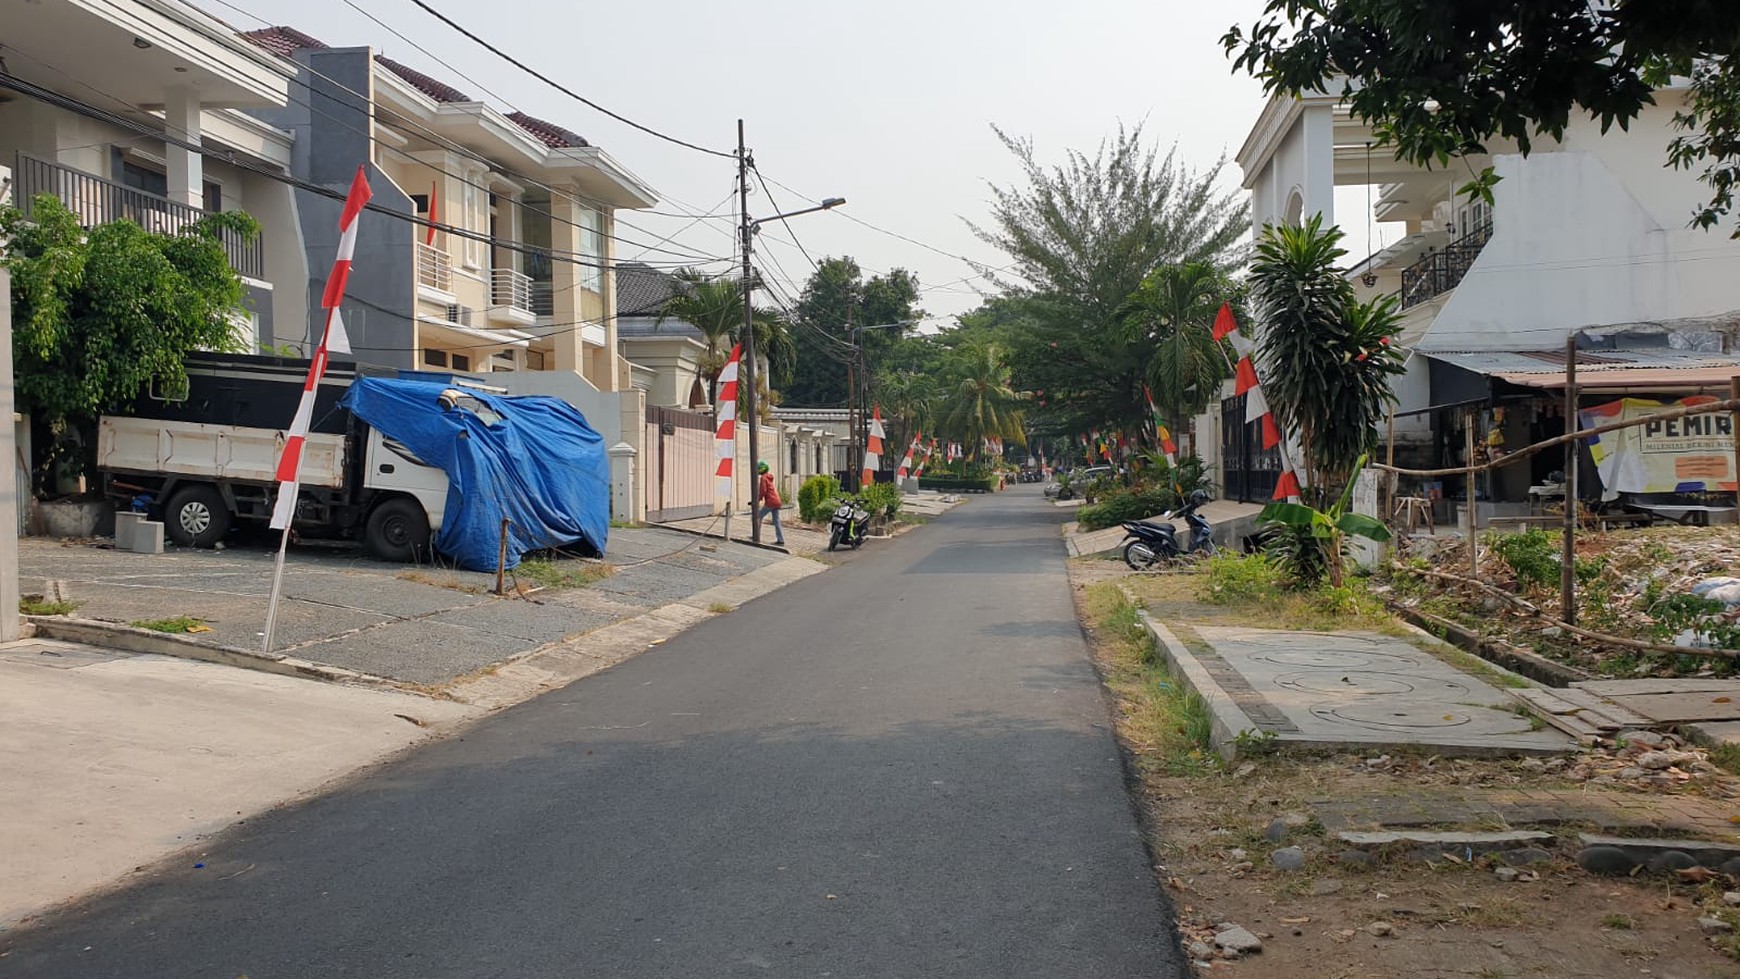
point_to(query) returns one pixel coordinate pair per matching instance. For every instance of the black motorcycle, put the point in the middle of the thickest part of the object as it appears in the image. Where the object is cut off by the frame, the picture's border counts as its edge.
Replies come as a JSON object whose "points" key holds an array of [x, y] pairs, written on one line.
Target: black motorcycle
{"points": [[1147, 544], [848, 524]]}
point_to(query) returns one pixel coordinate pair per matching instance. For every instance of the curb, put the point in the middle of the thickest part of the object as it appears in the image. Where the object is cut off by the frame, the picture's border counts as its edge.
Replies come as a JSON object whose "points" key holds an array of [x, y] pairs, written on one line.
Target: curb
{"points": [[710, 535], [113, 635], [1227, 722], [1514, 658]]}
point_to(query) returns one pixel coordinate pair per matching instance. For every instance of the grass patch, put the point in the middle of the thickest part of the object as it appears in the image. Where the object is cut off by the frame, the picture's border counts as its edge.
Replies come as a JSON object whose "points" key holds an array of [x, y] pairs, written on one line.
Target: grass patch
{"points": [[1166, 725], [1617, 922], [1469, 663], [37, 605], [623, 524], [1726, 757], [178, 624], [720, 608], [562, 573]]}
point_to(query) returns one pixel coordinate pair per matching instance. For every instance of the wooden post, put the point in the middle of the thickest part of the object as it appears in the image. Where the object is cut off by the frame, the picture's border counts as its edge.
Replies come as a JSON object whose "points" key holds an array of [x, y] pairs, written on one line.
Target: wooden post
{"points": [[501, 560], [1568, 556], [1473, 522], [1734, 393], [1389, 499]]}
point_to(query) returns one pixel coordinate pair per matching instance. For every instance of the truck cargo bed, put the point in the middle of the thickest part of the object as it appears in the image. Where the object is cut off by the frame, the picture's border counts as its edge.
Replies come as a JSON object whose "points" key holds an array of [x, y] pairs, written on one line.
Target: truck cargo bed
{"points": [[191, 449]]}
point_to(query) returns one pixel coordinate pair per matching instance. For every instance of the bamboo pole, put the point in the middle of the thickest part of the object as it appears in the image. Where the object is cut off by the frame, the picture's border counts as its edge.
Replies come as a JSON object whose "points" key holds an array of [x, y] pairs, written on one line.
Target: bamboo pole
{"points": [[1731, 404], [1734, 395], [501, 560], [1568, 555], [1389, 498], [1473, 522]]}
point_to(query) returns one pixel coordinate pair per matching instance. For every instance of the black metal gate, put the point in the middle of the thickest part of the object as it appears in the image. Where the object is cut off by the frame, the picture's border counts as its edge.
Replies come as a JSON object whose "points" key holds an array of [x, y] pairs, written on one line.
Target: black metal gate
{"points": [[1250, 471]]}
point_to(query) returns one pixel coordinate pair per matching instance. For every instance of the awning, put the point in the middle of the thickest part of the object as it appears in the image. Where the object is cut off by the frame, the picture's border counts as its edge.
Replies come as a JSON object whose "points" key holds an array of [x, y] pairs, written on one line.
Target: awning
{"points": [[1651, 369]]}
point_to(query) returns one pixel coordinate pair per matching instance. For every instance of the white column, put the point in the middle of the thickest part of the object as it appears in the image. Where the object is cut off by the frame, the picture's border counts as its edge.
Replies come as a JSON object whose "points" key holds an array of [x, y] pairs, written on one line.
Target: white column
{"points": [[9, 484], [186, 167], [622, 488], [1318, 126]]}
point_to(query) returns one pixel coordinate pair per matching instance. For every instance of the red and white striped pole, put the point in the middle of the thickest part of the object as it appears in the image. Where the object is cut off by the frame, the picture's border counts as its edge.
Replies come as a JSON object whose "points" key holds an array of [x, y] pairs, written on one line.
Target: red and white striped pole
{"points": [[873, 449], [333, 339], [726, 437]]}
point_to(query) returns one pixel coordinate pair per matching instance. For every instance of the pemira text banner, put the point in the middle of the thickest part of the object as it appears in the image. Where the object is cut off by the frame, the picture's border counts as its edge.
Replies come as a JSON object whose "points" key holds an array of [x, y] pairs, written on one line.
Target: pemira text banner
{"points": [[1694, 454]]}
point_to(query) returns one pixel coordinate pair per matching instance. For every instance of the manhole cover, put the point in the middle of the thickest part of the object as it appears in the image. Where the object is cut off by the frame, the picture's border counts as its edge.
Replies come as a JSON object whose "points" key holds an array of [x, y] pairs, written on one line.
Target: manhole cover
{"points": [[1287, 640], [1370, 682], [1377, 713]]}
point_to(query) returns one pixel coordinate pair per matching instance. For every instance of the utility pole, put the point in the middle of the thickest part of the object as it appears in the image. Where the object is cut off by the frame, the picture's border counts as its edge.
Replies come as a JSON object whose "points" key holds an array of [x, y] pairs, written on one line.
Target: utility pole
{"points": [[748, 235]]}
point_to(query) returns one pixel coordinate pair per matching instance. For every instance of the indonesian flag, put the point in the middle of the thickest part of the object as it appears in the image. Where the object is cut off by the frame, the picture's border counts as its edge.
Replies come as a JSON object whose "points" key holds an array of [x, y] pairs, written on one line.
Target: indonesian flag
{"points": [[906, 462], [1224, 322], [1287, 487], [873, 450], [333, 339], [725, 439]]}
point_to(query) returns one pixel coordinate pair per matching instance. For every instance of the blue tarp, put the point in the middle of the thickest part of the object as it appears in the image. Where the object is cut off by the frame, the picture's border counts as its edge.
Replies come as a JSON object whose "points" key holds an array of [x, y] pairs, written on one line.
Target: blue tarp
{"points": [[533, 460]]}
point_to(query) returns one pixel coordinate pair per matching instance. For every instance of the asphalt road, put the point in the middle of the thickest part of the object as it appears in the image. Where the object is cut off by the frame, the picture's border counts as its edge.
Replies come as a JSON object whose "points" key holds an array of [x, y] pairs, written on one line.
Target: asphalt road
{"points": [[900, 768]]}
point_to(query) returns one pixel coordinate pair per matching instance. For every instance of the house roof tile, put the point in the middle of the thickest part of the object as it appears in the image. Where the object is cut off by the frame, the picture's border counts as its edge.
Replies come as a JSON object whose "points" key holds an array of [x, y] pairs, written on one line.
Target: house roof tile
{"points": [[552, 135]]}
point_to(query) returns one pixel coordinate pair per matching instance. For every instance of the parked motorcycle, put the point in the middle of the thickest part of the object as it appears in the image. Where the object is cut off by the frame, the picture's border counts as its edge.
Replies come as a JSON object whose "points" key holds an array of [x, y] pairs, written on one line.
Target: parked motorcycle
{"points": [[848, 524], [1149, 543]]}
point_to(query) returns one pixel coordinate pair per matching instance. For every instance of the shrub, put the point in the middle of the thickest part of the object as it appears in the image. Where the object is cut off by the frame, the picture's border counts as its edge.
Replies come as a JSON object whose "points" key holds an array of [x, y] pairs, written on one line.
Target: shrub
{"points": [[1529, 555], [816, 491], [1240, 579], [1127, 504], [1302, 555], [881, 499]]}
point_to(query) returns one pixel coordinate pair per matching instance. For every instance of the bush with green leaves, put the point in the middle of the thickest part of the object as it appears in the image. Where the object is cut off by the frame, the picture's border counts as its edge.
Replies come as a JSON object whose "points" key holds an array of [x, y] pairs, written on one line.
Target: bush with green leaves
{"points": [[1240, 579], [1127, 504], [881, 499], [1530, 555], [1310, 544], [816, 491]]}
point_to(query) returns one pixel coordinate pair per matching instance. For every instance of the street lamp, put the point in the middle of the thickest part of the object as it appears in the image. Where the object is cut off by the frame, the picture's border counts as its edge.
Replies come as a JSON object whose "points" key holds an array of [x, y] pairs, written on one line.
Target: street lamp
{"points": [[748, 230]]}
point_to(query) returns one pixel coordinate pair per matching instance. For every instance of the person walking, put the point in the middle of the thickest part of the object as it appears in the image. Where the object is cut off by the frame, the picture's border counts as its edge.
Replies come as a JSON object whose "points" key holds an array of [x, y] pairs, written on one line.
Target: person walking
{"points": [[768, 501]]}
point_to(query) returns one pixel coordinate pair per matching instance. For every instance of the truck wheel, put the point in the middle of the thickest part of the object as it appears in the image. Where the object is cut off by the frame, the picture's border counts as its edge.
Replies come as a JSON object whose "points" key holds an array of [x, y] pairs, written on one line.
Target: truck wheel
{"points": [[398, 531], [196, 516]]}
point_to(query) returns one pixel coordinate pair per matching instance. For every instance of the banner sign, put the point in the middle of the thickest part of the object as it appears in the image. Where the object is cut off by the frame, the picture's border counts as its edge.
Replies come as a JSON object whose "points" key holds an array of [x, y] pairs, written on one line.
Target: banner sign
{"points": [[1694, 454]]}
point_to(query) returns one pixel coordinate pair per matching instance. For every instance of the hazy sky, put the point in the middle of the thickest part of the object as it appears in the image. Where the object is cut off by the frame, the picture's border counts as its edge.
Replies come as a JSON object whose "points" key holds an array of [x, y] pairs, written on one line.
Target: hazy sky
{"points": [[889, 105]]}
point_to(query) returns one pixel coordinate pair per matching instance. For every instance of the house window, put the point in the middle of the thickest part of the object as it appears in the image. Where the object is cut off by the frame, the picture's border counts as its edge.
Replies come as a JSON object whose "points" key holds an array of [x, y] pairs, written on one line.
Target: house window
{"points": [[213, 198], [592, 249], [474, 219], [534, 360], [461, 362], [435, 358], [144, 178]]}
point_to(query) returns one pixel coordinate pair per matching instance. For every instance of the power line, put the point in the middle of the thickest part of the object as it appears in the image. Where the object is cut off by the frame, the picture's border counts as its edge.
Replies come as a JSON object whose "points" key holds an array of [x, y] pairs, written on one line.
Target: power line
{"points": [[510, 59]]}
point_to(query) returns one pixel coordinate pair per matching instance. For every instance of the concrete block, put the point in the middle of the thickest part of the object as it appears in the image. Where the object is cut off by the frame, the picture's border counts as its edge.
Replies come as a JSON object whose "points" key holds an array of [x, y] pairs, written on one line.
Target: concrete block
{"points": [[148, 537], [126, 524]]}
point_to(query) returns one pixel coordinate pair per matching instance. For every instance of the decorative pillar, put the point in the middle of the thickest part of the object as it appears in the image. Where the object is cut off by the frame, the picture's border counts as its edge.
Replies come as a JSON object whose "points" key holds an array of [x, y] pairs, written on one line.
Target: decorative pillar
{"points": [[565, 312], [186, 171], [622, 483]]}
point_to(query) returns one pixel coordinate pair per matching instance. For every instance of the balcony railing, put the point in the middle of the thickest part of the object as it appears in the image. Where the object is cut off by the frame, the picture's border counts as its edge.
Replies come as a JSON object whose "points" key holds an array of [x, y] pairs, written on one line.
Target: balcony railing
{"points": [[511, 290], [94, 201], [434, 268], [543, 297], [1442, 271]]}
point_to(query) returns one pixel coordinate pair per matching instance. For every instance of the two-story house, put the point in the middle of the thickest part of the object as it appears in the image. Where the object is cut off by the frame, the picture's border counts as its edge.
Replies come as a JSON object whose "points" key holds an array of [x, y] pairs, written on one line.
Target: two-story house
{"points": [[92, 89], [521, 281], [1586, 238]]}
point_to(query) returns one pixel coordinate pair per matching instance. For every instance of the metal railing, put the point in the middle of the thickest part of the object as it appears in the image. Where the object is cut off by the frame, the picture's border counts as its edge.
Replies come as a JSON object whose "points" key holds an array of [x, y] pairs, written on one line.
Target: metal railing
{"points": [[511, 289], [1442, 271], [94, 201], [543, 295], [434, 268]]}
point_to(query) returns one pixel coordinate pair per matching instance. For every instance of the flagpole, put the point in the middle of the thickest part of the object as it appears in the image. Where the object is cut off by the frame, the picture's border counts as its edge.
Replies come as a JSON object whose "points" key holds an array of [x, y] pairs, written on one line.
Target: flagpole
{"points": [[277, 589]]}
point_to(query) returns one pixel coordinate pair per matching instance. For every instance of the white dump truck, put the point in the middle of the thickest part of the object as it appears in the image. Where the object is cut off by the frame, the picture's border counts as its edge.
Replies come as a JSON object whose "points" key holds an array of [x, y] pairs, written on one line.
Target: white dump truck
{"points": [[204, 457]]}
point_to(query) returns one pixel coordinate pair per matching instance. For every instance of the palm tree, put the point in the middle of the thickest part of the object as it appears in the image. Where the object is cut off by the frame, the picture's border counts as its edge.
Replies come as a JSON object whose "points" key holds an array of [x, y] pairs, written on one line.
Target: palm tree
{"points": [[1173, 312], [982, 405], [714, 305], [1325, 358], [911, 401]]}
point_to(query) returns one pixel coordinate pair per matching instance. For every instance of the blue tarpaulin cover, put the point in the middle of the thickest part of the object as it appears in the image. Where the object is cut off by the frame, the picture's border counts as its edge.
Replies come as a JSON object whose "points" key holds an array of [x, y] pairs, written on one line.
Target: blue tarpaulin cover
{"points": [[533, 460]]}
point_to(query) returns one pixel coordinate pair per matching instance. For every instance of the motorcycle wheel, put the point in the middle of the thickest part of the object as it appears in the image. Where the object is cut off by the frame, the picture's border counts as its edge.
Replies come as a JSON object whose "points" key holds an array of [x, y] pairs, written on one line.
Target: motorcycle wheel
{"points": [[833, 538], [857, 538], [1139, 555]]}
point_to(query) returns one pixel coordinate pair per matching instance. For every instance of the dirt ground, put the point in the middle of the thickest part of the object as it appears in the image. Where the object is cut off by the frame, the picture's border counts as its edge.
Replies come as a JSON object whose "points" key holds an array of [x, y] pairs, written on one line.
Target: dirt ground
{"points": [[1399, 915]]}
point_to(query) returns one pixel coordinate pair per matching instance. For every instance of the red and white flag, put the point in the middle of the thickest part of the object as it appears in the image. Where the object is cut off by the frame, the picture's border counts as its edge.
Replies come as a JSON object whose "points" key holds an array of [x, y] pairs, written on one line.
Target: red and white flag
{"points": [[333, 339], [1245, 382], [873, 450], [906, 463], [726, 437]]}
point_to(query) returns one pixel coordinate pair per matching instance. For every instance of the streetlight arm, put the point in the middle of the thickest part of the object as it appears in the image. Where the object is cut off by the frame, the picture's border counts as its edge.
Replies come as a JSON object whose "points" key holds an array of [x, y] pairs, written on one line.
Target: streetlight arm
{"points": [[826, 205]]}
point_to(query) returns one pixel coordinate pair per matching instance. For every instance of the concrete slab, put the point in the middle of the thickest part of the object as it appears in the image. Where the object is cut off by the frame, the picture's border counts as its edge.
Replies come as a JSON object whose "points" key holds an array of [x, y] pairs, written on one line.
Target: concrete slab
{"points": [[131, 758], [1385, 838], [1715, 732]]}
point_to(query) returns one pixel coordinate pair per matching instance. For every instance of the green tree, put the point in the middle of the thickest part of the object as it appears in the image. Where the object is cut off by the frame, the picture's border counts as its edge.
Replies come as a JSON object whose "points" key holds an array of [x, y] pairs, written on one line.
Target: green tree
{"points": [[714, 305], [981, 404], [1082, 237], [1324, 357], [835, 299], [1442, 79], [98, 314], [1173, 314]]}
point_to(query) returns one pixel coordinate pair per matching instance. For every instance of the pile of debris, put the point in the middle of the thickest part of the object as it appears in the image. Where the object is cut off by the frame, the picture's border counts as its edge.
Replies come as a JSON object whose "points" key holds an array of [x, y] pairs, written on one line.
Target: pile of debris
{"points": [[1649, 761]]}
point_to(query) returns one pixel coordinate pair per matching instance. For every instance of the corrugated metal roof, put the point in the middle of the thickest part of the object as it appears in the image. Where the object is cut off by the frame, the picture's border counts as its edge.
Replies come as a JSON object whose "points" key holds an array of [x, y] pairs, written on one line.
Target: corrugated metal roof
{"points": [[1650, 367]]}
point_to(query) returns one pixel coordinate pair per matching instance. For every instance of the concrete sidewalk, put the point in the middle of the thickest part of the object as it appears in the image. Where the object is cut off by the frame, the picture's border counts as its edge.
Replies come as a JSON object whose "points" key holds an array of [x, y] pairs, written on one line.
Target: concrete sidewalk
{"points": [[115, 761], [422, 627]]}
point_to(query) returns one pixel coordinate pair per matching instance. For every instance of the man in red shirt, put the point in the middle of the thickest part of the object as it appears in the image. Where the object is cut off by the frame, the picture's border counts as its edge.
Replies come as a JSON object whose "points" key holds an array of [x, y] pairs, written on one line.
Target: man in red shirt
{"points": [[767, 497]]}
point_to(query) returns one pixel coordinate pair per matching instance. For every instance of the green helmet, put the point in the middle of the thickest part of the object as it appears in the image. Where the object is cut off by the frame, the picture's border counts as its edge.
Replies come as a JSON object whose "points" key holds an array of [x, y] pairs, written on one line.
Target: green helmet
{"points": [[761, 467]]}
